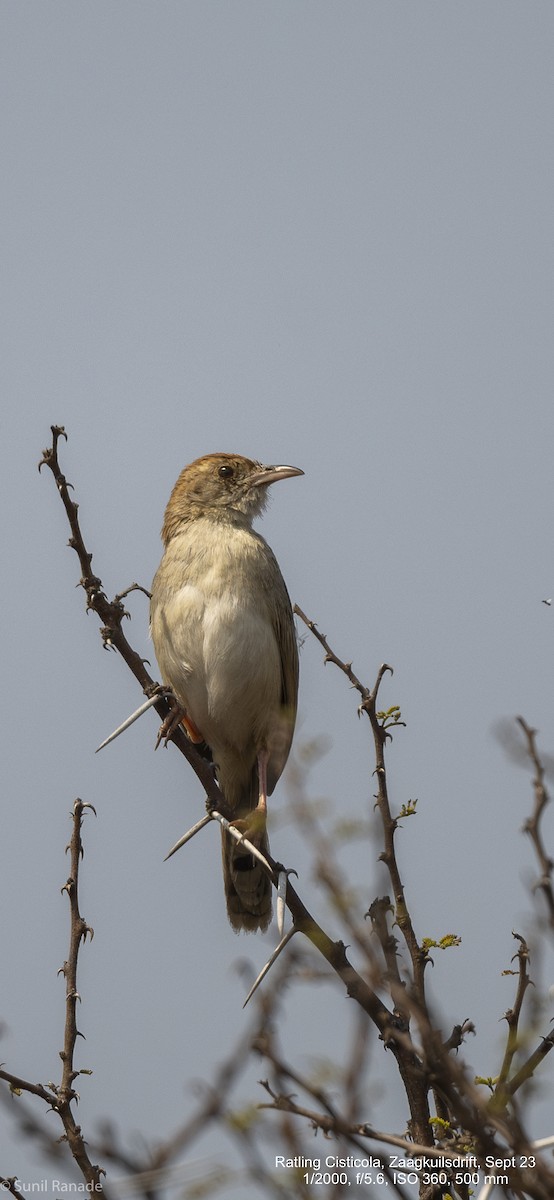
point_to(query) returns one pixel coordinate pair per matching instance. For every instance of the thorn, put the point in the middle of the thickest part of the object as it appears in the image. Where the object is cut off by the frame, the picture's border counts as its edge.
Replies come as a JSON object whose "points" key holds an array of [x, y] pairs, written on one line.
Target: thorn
{"points": [[187, 836], [239, 837], [130, 720], [133, 587], [281, 897], [270, 962]]}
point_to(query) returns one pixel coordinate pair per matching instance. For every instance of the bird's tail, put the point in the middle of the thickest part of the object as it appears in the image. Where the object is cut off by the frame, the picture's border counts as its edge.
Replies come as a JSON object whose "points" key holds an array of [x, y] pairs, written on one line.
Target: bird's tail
{"points": [[247, 886]]}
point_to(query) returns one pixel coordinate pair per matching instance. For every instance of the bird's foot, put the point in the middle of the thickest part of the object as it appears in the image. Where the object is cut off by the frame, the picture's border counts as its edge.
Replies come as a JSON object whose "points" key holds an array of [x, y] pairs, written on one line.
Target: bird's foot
{"points": [[253, 827], [175, 717]]}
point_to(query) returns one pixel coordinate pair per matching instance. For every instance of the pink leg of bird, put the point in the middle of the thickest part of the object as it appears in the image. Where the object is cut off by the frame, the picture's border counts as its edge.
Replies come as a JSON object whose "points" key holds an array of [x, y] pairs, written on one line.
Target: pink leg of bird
{"points": [[263, 759]]}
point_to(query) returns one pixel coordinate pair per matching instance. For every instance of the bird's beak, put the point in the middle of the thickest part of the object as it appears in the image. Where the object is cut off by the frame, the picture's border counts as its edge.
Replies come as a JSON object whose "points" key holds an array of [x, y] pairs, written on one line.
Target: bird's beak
{"points": [[267, 475]]}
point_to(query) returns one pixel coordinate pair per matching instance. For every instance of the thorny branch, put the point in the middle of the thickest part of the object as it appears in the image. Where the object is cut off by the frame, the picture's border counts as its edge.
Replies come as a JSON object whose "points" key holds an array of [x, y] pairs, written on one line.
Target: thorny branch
{"points": [[380, 727], [409, 1065], [533, 824], [10, 1185], [513, 1016], [425, 1066], [66, 1095], [61, 1099], [155, 1166], [458, 1103], [111, 614]]}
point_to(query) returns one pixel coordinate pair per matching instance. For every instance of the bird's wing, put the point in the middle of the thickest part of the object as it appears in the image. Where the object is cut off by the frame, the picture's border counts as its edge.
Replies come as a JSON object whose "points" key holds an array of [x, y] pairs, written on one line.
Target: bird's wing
{"points": [[285, 635], [285, 632]]}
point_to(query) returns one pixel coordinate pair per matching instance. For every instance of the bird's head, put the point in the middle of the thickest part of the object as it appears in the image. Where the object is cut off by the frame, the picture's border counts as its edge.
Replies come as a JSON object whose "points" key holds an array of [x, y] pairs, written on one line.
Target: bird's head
{"points": [[222, 486]]}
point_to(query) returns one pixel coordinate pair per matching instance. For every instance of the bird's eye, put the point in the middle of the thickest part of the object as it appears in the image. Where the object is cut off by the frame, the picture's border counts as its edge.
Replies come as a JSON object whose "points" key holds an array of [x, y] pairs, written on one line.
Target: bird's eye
{"points": [[225, 472]]}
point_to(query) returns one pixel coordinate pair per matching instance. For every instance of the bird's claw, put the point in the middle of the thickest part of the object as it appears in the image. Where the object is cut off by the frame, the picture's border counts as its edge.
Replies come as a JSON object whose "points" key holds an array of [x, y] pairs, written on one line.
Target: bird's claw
{"points": [[170, 723], [253, 826], [176, 717]]}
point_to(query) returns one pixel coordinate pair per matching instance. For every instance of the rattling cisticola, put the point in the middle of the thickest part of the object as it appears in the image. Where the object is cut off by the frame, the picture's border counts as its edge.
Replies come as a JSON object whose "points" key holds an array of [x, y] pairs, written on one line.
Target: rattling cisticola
{"points": [[224, 636]]}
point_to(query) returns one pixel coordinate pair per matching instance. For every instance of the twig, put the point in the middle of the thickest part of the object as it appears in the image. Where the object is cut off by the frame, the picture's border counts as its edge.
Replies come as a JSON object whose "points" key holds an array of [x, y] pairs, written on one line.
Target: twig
{"points": [[380, 724], [527, 1070], [61, 1098], [111, 613], [17, 1085], [408, 1066], [11, 1185], [79, 931], [213, 1105], [330, 656], [329, 1123], [502, 1090], [533, 824]]}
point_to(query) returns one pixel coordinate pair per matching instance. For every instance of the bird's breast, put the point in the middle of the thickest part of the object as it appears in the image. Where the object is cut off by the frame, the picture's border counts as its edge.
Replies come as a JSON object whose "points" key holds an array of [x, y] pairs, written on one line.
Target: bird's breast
{"points": [[213, 633]]}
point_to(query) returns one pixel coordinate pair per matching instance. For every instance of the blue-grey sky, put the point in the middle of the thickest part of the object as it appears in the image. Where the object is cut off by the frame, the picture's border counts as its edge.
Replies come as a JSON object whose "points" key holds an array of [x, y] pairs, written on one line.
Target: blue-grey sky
{"points": [[311, 232]]}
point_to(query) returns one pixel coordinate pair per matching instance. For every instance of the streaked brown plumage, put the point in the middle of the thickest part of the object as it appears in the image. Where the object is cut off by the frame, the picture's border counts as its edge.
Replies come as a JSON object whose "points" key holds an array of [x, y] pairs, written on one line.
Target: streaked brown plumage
{"points": [[223, 632]]}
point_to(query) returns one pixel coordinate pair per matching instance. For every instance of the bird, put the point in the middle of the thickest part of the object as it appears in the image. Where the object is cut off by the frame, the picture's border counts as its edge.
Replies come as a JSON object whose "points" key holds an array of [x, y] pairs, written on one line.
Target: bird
{"points": [[223, 630]]}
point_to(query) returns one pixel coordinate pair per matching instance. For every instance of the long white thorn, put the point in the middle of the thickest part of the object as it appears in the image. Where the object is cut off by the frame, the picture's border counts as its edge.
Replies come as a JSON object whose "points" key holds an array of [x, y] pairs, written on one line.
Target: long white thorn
{"points": [[281, 897], [239, 837], [270, 962], [130, 720], [187, 836]]}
